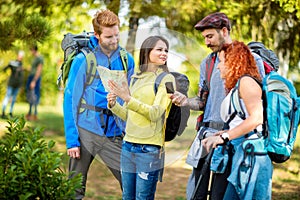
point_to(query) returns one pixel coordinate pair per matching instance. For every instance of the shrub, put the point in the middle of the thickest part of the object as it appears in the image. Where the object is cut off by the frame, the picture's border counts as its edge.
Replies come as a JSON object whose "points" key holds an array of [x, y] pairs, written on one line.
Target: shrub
{"points": [[29, 168]]}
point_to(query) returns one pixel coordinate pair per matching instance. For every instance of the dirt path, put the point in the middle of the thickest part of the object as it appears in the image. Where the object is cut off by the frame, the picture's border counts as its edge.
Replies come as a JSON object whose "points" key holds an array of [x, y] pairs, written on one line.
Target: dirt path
{"points": [[102, 185]]}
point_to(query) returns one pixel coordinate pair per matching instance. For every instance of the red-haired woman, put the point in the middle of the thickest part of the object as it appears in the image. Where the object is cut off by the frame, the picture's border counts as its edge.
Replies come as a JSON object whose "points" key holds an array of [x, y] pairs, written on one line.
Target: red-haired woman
{"points": [[251, 172]]}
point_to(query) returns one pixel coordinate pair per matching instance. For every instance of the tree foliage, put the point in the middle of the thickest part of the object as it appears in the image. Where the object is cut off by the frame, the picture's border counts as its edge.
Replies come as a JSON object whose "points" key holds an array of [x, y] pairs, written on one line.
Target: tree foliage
{"points": [[45, 23], [23, 20], [290, 6], [276, 23]]}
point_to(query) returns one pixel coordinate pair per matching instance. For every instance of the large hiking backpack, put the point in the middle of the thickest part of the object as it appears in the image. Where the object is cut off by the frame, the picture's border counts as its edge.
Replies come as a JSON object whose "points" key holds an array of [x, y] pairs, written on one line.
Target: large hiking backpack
{"points": [[270, 60], [178, 116], [72, 44], [281, 115]]}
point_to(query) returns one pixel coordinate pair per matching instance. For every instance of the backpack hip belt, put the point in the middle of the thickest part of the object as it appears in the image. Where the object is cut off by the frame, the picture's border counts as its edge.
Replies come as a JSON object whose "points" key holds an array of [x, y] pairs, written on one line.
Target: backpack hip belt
{"points": [[97, 109], [101, 112]]}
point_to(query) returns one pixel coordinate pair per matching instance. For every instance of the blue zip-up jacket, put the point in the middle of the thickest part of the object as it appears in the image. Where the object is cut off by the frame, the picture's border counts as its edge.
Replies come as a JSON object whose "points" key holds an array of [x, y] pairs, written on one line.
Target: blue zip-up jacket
{"points": [[94, 95]]}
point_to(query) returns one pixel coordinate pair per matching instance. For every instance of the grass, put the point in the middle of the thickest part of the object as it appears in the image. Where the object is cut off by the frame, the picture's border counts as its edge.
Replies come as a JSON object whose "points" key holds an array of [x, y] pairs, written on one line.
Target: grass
{"points": [[102, 186]]}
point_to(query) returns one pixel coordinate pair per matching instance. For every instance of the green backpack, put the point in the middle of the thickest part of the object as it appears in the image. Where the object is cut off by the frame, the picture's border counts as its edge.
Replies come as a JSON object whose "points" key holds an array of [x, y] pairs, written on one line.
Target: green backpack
{"points": [[72, 44]]}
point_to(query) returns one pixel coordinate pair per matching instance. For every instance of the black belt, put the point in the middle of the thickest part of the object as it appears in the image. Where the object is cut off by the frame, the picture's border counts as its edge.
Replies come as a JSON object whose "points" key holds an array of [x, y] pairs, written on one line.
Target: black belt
{"points": [[214, 125], [137, 144]]}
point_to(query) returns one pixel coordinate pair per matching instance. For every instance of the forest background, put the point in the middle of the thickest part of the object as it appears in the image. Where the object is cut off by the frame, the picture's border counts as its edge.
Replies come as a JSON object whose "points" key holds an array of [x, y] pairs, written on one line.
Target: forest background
{"points": [[276, 23]]}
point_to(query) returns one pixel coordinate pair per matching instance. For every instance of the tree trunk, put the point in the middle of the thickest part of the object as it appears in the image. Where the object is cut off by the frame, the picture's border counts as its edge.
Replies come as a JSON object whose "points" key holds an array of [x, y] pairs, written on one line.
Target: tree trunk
{"points": [[133, 26]]}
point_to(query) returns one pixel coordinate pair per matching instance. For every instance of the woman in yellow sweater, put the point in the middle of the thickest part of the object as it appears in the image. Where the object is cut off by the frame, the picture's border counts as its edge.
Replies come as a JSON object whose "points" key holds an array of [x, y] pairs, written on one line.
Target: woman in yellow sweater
{"points": [[145, 114]]}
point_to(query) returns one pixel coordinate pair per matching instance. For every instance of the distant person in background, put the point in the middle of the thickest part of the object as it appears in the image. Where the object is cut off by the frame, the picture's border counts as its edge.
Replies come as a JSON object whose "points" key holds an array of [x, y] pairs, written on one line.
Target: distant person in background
{"points": [[14, 83], [33, 85]]}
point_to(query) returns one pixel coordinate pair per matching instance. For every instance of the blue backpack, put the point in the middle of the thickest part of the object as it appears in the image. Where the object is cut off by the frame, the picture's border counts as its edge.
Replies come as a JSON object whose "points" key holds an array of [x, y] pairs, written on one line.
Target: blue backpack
{"points": [[281, 115]]}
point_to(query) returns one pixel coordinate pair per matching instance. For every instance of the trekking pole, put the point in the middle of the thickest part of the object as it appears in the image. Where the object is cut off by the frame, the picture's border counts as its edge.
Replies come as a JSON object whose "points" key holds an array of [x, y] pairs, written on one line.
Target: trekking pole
{"points": [[206, 165]]}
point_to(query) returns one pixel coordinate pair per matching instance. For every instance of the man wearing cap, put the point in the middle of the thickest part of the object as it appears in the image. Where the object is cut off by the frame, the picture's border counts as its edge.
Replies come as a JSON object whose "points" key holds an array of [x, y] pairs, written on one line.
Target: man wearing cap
{"points": [[215, 28]]}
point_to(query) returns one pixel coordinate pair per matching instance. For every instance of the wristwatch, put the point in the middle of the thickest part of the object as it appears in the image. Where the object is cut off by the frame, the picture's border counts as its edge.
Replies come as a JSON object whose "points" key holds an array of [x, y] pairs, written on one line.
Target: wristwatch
{"points": [[225, 137]]}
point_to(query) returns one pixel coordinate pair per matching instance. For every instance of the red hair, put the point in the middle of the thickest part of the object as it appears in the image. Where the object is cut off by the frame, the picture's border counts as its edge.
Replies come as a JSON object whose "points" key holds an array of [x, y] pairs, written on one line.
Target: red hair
{"points": [[239, 61]]}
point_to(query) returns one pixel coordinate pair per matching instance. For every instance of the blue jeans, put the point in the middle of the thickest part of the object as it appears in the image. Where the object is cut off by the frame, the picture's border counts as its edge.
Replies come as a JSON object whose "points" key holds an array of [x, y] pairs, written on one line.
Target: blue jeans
{"points": [[37, 91], [10, 93], [140, 168], [251, 176]]}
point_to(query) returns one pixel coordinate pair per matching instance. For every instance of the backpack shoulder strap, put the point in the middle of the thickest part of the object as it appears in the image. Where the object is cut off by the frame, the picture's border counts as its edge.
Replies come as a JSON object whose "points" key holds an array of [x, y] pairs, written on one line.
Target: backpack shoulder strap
{"points": [[91, 64], [123, 54], [210, 62], [158, 80], [65, 68], [236, 101], [134, 79]]}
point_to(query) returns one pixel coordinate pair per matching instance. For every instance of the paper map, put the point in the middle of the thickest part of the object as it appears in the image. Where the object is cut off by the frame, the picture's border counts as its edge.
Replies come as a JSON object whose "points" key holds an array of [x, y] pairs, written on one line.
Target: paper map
{"points": [[106, 74]]}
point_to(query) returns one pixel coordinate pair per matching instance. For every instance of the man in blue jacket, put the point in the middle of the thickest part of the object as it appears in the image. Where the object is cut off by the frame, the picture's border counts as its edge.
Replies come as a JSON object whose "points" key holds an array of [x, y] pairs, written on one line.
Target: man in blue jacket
{"points": [[90, 128]]}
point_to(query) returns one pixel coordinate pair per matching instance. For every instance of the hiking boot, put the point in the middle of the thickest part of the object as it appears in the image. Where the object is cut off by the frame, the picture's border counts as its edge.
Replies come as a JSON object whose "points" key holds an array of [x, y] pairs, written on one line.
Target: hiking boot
{"points": [[34, 118], [3, 116], [11, 115], [28, 117]]}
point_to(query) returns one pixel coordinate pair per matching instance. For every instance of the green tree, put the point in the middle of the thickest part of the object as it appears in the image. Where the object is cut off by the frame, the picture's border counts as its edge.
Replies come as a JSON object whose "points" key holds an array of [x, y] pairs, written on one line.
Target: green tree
{"points": [[291, 6], [23, 20], [275, 23], [43, 22]]}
